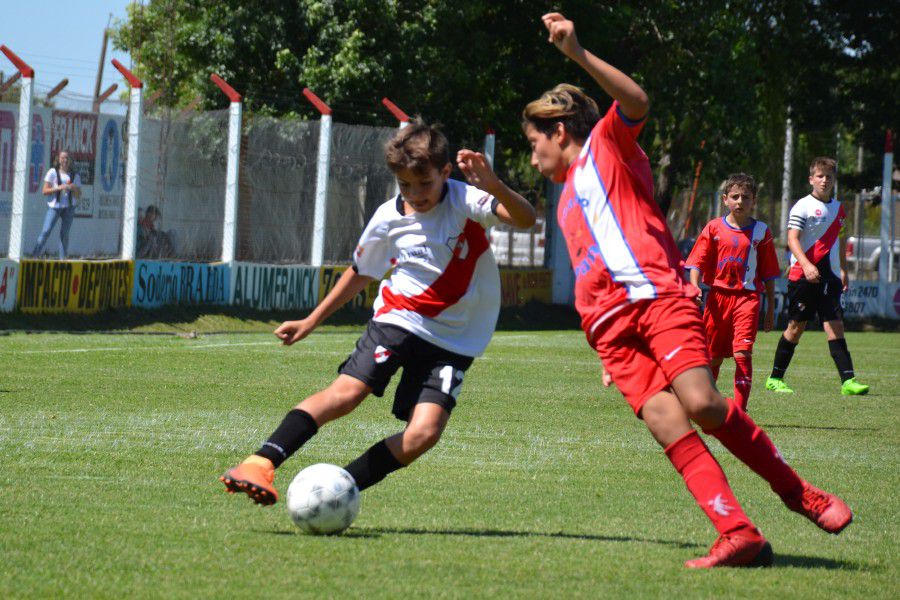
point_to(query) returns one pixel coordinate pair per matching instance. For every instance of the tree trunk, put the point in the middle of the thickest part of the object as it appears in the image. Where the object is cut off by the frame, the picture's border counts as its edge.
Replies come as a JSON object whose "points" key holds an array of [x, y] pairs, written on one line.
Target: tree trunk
{"points": [[664, 180]]}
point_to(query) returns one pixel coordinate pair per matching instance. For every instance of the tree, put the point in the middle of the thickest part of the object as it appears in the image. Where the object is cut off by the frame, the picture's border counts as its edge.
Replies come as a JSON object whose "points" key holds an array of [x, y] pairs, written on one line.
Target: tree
{"points": [[721, 72]]}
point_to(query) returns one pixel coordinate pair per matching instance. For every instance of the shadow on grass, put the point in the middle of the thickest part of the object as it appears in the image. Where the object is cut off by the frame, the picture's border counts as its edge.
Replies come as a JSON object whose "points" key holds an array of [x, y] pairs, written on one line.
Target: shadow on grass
{"points": [[818, 562], [377, 532], [816, 427], [353, 533], [501, 533], [781, 560], [233, 319]]}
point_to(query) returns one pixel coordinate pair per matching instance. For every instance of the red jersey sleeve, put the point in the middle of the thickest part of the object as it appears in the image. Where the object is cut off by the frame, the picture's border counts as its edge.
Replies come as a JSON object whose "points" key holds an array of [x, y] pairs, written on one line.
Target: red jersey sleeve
{"points": [[703, 256], [767, 258], [621, 131]]}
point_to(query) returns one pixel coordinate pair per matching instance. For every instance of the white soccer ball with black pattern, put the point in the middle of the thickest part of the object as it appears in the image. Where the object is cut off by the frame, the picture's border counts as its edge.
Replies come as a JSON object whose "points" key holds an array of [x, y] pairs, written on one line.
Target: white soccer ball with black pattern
{"points": [[323, 499]]}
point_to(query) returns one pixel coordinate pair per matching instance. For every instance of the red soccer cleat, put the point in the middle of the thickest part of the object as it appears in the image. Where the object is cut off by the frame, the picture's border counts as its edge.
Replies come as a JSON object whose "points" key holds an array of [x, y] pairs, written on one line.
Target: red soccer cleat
{"points": [[744, 548], [252, 479], [825, 510]]}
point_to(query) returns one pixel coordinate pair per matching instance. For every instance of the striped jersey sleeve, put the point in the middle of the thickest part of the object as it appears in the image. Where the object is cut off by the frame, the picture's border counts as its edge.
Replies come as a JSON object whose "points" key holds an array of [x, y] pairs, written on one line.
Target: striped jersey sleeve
{"points": [[797, 217]]}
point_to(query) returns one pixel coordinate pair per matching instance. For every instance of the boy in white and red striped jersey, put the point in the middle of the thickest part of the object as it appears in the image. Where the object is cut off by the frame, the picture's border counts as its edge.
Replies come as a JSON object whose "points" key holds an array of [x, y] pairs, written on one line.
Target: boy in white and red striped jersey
{"points": [[735, 256], [817, 277], [434, 314]]}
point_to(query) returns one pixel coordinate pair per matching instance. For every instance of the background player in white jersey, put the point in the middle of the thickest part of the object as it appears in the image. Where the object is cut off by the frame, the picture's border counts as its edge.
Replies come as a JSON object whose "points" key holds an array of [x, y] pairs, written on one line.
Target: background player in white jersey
{"points": [[434, 314], [817, 277]]}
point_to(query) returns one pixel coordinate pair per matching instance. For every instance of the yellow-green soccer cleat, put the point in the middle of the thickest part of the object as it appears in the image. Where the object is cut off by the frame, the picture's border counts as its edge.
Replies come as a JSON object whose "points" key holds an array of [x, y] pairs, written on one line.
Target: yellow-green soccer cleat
{"points": [[778, 385], [852, 387]]}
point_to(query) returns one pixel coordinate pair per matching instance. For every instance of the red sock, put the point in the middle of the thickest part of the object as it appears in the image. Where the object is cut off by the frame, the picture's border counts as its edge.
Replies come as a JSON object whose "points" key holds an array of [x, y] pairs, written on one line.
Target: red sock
{"points": [[752, 446], [743, 379], [707, 483], [715, 371]]}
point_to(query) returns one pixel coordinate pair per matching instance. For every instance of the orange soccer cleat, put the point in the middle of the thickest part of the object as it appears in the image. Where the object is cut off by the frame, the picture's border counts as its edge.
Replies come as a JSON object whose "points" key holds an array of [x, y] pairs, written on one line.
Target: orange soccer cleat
{"points": [[826, 510], [253, 479], [744, 548]]}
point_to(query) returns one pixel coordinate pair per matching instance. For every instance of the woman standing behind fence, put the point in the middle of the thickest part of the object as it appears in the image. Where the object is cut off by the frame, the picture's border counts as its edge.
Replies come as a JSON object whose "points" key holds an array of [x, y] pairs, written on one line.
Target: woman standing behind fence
{"points": [[63, 188]]}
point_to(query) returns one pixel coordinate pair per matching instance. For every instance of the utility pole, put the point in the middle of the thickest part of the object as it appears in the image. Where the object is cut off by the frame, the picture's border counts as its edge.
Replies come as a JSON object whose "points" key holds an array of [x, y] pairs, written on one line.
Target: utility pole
{"points": [[837, 159], [787, 174], [96, 105]]}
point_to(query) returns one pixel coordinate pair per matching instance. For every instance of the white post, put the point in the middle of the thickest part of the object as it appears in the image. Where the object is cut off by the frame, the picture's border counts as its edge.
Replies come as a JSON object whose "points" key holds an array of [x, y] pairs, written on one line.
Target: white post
{"points": [[837, 164], [130, 208], [23, 147], [563, 279], [231, 182], [396, 183], [885, 260], [489, 142], [786, 177], [318, 244]]}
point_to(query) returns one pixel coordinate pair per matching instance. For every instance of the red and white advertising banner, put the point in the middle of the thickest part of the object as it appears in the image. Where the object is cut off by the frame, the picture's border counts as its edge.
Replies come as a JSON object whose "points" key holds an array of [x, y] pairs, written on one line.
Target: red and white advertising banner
{"points": [[96, 145]]}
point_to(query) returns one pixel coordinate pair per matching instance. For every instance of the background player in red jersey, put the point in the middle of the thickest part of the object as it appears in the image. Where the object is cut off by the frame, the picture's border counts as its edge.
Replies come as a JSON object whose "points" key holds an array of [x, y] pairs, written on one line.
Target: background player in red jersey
{"points": [[735, 255], [636, 308]]}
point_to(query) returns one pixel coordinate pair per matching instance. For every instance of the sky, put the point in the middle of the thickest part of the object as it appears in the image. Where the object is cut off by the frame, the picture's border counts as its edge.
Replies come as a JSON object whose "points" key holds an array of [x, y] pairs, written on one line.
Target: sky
{"points": [[62, 39]]}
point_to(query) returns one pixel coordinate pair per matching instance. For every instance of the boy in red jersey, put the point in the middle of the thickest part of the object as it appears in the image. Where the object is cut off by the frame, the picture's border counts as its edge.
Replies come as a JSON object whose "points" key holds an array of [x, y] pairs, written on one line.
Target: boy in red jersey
{"points": [[637, 310], [735, 255]]}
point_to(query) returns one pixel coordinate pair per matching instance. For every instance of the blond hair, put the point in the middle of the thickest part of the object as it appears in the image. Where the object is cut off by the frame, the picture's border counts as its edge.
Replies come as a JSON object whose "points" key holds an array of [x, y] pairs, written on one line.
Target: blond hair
{"points": [[566, 104]]}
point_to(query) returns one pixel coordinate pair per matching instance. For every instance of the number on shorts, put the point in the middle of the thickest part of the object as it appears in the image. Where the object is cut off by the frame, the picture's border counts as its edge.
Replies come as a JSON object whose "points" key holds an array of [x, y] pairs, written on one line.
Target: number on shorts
{"points": [[447, 375]]}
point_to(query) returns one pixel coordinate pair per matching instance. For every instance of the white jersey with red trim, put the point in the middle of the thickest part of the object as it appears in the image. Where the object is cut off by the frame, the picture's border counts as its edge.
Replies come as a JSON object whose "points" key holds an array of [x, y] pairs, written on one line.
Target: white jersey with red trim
{"points": [[820, 224], [445, 286]]}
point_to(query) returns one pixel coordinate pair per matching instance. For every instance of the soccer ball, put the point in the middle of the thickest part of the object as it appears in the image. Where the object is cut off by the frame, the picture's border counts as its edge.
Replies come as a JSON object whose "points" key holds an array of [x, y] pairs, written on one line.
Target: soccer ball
{"points": [[323, 499]]}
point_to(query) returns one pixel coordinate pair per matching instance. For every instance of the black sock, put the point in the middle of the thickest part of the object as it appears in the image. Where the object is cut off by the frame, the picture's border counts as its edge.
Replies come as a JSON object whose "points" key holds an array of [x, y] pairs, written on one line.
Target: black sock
{"points": [[375, 464], [295, 430], [842, 359], [783, 355]]}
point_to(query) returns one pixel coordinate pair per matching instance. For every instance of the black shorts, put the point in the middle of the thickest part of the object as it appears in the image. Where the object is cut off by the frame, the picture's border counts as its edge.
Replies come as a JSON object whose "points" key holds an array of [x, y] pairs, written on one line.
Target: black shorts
{"points": [[430, 374], [805, 300]]}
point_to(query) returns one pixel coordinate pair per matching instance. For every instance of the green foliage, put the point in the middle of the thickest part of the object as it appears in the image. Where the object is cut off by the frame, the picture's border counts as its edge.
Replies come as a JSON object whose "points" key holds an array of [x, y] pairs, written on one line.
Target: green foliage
{"points": [[724, 73]]}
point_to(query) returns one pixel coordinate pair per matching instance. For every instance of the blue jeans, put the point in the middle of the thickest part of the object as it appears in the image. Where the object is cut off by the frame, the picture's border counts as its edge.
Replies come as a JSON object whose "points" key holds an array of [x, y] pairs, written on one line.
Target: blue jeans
{"points": [[67, 215]]}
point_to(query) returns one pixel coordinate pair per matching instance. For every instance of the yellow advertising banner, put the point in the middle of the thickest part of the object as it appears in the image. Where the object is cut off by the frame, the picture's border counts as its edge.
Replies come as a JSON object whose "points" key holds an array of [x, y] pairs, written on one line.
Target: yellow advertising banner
{"points": [[68, 286], [518, 287], [328, 277]]}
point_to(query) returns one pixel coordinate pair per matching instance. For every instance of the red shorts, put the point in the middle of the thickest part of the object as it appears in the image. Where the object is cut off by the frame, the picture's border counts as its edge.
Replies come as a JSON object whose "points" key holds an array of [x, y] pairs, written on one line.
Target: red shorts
{"points": [[645, 345], [731, 320]]}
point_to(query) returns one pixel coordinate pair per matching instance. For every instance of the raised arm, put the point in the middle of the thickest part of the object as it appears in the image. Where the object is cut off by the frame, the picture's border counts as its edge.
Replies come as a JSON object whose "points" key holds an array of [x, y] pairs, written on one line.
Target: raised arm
{"points": [[512, 209], [633, 101], [348, 286]]}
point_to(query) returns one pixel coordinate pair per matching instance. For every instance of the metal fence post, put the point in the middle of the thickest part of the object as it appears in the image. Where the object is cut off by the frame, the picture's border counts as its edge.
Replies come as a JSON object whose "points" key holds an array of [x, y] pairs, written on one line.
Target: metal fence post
{"points": [[130, 207], [229, 224], [324, 157], [23, 143]]}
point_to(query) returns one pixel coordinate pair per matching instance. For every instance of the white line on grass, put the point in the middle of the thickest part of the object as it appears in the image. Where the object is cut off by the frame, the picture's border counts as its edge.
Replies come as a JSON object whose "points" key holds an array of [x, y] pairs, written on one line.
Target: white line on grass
{"points": [[134, 348]]}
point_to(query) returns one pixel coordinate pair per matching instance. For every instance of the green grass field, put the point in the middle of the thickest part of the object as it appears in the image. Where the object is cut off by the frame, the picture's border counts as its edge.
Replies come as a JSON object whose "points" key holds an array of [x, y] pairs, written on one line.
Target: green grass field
{"points": [[544, 485]]}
